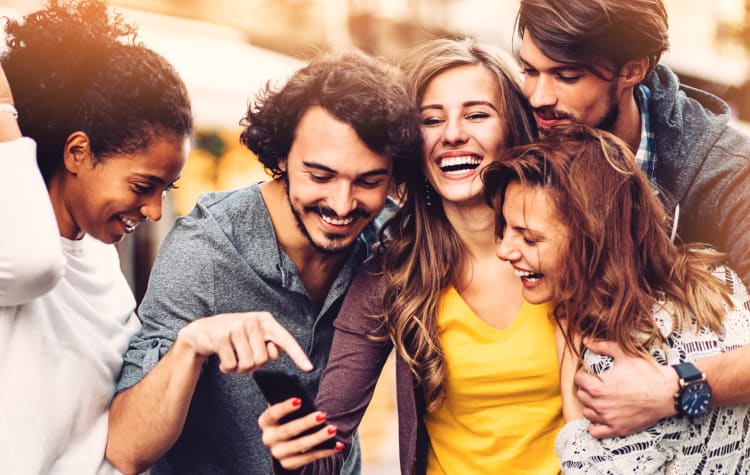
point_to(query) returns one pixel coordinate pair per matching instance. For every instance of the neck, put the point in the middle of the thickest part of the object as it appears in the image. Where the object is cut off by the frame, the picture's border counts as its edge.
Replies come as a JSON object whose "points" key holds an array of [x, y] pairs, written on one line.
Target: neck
{"points": [[65, 222], [628, 124], [475, 225], [317, 270]]}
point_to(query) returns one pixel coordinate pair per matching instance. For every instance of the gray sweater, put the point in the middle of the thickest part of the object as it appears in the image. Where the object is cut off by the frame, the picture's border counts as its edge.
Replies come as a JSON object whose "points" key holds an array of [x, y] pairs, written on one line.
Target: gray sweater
{"points": [[704, 165], [223, 257]]}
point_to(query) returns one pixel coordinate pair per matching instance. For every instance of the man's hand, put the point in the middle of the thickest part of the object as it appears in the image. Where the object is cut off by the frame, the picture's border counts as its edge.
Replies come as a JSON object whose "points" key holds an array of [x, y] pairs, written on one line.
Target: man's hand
{"points": [[243, 342], [631, 396]]}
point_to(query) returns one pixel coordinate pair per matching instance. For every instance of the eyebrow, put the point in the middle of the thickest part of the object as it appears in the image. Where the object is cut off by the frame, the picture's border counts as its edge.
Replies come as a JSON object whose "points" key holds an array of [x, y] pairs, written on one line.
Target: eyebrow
{"points": [[465, 104], [155, 178], [554, 69], [318, 166]]}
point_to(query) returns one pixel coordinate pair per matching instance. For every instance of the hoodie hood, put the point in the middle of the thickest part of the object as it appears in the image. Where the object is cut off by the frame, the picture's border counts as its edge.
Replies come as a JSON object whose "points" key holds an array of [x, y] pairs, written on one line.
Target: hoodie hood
{"points": [[686, 123]]}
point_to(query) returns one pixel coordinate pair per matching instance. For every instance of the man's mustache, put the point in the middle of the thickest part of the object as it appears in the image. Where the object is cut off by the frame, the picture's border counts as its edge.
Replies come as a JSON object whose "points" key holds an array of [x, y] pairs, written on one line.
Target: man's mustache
{"points": [[549, 113], [328, 212]]}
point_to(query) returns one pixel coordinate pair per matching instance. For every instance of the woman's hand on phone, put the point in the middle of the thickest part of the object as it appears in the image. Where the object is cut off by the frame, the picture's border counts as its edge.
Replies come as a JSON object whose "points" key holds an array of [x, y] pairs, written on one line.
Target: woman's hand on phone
{"points": [[283, 440]]}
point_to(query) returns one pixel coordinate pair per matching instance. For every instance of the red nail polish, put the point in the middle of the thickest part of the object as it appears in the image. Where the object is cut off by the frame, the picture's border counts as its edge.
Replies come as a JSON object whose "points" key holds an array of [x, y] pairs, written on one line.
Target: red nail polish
{"points": [[339, 446], [321, 417], [332, 430], [296, 402]]}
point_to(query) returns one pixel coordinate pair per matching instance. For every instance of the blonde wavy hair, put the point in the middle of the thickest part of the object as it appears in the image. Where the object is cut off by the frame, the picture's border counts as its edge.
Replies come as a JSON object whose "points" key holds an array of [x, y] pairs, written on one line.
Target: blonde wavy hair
{"points": [[420, 253]]}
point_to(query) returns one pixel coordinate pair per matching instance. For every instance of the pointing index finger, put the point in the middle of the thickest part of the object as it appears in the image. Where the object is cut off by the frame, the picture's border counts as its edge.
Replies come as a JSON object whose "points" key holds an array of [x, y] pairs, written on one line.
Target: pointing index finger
{"points": [[279, 336]]}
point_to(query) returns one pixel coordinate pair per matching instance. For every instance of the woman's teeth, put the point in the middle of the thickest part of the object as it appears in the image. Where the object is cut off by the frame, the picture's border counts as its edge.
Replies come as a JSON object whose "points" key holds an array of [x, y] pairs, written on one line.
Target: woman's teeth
{"points": [[467, 162], [530, 276], [129, 224]]}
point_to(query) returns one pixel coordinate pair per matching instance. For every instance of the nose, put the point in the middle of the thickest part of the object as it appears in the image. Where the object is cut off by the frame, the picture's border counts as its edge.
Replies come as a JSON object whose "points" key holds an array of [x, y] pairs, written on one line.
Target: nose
{"points": [[343, 200], [454, 132], [540, 91], [505, 250], [152, 207]]}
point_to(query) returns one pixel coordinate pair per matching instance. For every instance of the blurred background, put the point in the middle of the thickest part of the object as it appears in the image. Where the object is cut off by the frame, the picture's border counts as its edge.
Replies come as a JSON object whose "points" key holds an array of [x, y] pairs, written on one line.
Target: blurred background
{"points": [[226, 50]]}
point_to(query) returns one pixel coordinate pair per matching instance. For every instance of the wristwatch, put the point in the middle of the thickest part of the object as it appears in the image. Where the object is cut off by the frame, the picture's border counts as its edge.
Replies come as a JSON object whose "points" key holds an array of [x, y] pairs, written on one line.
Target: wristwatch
{"points": [[693, 397]]}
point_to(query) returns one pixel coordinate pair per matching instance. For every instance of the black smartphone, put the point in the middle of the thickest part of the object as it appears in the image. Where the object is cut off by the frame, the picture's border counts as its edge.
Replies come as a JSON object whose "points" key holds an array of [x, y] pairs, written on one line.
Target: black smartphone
{"points": [[278, 386]]}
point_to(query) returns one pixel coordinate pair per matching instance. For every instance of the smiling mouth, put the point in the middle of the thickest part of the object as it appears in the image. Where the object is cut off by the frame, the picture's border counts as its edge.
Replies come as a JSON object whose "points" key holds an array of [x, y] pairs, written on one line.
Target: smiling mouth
{"points": [[459, 164], [130, 224], [337, 221], [528, 276]]}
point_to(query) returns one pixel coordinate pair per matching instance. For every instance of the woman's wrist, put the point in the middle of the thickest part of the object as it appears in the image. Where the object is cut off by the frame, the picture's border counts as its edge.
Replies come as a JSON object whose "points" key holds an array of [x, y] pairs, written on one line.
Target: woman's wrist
{"points": [[8, 123]]}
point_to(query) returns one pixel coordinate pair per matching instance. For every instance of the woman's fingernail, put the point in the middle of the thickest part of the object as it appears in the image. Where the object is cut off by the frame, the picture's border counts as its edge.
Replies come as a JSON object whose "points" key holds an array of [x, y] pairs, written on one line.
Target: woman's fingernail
{"points": [[332, 430], [321, 417], [339, 446], [296, 402]]}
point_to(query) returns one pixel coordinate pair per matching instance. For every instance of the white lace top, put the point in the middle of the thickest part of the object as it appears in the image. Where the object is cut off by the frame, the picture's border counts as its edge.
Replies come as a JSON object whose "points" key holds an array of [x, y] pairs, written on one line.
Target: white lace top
{"points": [[716, 443]]}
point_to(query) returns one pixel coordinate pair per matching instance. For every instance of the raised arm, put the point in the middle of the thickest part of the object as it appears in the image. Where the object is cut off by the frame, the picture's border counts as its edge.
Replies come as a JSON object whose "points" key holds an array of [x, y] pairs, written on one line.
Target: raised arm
{"points": [[8, 124], [31, 258], [345, 390]]}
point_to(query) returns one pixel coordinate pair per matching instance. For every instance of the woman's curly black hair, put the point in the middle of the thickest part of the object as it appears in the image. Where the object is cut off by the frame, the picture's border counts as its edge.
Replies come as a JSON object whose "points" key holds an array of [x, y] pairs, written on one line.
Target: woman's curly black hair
{"points": [[73, 66], [365, 92]]}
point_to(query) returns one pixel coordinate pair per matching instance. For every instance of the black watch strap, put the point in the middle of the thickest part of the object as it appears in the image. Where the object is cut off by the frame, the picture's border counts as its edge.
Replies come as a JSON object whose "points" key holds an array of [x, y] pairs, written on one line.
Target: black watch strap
{"points": [[688, 372]]}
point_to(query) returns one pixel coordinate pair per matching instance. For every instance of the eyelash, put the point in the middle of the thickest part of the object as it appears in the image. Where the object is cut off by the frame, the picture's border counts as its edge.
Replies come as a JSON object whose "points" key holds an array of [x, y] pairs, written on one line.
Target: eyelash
{"points": [[568, 79], [565, 79], [431, 121], [319, 178], [143, 189]]}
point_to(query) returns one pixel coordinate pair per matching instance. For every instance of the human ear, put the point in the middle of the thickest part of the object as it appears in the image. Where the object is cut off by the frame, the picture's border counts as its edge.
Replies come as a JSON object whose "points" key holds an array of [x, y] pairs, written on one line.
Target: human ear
{"points": [[77, 151], [634, 71]]}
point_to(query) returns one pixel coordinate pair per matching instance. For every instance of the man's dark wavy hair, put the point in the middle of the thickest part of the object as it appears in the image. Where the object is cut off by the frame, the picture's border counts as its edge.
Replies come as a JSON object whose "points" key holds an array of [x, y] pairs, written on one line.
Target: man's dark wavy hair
{"points": [[73, 66], [586, 32], [365, 92]]}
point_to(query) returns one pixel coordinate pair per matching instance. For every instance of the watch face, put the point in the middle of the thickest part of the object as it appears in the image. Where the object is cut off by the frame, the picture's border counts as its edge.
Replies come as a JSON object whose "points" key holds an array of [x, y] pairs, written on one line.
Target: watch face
{"points": [[695, 399]]}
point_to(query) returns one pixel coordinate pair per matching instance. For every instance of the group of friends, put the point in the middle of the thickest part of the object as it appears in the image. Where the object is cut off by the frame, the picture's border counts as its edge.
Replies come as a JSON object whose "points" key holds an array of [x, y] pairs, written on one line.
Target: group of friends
{"points": [[556, 260]]}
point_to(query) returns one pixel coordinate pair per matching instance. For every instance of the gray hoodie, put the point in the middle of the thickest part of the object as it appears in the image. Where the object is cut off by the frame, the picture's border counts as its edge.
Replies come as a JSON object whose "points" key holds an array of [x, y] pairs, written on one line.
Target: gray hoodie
{"points": [[704, 165]]}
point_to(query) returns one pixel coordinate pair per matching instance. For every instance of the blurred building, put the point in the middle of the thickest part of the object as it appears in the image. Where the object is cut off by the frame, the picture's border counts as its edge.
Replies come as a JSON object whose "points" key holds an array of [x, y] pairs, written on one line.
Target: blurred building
{"points": [[226, 50]]}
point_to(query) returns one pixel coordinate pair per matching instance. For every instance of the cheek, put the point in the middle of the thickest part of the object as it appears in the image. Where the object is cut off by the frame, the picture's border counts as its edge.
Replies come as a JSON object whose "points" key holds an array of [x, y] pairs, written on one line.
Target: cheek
{"points": [[305, 192], [374, 200], [431, 137]]}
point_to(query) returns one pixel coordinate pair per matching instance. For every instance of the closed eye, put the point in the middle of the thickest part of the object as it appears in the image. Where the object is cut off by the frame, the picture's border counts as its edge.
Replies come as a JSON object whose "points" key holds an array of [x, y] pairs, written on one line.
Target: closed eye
{"points": [[569, 79], [320, 178], [370, 183], [141, 188], [429, 121], [477, 116]]}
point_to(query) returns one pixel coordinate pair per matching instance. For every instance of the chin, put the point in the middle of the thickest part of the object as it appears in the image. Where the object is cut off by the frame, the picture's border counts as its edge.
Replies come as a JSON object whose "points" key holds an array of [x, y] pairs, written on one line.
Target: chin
{"points": [[536, 298], [108, 238]]}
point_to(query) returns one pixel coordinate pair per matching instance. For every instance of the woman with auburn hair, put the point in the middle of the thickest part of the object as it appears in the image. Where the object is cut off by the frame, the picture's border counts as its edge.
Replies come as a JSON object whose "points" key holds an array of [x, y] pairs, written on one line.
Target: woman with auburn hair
{"points": [[477, 367], [106, 125], [580, 224]]}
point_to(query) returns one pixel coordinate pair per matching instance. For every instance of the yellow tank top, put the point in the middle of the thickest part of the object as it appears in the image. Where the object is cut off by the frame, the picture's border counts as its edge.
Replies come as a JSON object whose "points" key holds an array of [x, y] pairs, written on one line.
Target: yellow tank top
{"points": [[502, 409]]}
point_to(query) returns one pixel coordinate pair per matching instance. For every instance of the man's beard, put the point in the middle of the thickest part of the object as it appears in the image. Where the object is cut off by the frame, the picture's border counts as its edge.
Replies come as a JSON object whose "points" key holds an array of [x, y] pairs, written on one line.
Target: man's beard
{"points": [[613, 111], [332, 251], [606, 123]]}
